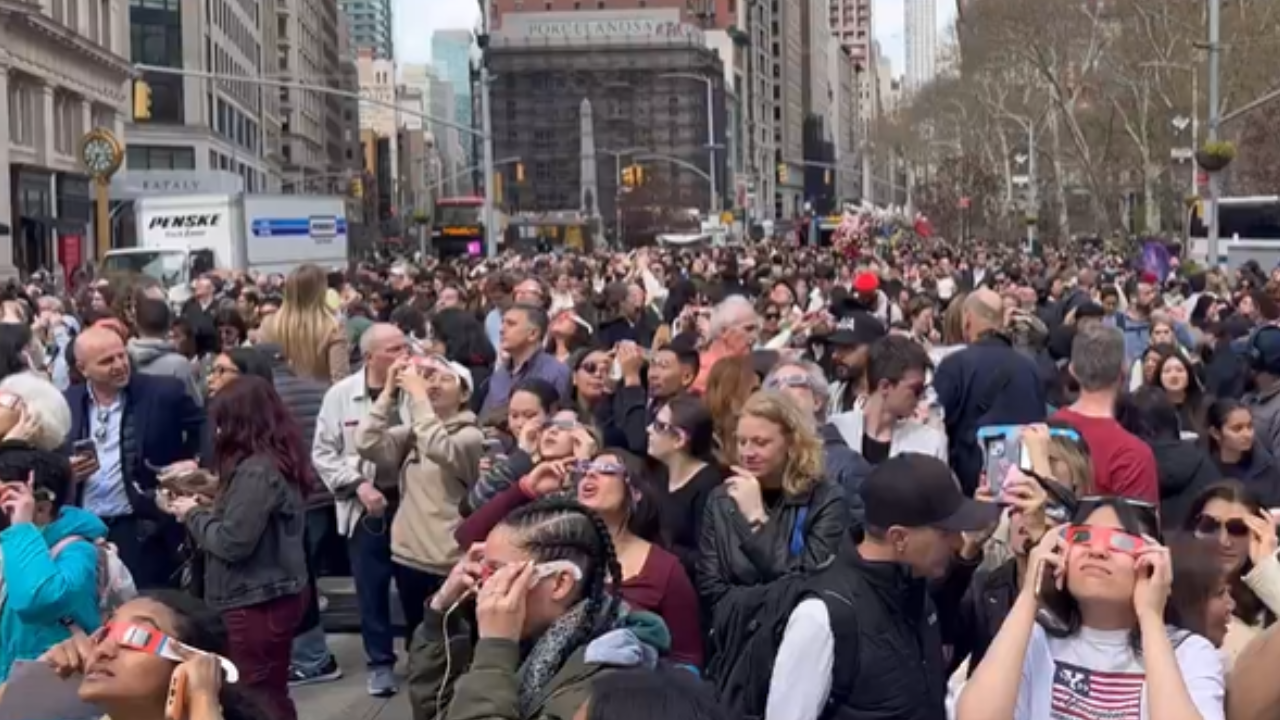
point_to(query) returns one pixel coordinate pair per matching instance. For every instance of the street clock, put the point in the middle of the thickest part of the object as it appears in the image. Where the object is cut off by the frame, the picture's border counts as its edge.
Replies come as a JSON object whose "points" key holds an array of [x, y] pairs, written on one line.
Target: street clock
{"points": [[101, 153]]}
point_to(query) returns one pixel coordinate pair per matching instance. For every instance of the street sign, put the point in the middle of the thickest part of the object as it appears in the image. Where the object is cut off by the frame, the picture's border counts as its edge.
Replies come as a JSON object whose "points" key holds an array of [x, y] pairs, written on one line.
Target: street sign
{"points": [[1021, 158], [1021, 179], [965, 203], [1182, 154]]}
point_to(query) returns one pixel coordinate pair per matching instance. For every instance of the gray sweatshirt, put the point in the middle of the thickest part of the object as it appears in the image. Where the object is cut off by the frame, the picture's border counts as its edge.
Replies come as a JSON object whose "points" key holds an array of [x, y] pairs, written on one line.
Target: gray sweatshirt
{"points": [[153, 356]]}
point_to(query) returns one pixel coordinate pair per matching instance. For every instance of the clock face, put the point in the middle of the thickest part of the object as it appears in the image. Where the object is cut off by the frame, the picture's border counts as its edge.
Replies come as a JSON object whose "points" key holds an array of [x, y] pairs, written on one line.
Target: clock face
{"points": [[99, 155]]}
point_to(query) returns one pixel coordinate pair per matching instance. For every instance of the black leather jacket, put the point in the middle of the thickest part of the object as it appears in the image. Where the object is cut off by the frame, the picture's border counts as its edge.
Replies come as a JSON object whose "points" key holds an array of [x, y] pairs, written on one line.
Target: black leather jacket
{"points": [[731, 556], [987, 602]]}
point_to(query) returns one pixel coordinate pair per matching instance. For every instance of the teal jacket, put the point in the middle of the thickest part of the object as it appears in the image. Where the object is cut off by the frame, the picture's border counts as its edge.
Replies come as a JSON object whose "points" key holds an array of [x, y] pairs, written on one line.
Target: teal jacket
{"points": [[41, 591]]}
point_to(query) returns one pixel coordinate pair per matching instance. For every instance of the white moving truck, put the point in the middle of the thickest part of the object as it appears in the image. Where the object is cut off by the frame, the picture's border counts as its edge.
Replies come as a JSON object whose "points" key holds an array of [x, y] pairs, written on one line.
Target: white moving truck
{"points": [[182, 236]]}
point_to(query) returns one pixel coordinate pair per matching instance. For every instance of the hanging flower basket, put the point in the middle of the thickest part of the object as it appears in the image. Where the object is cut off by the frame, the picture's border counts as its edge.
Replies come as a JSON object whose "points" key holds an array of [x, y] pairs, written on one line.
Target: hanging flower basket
{"points": [[1215, 156]]}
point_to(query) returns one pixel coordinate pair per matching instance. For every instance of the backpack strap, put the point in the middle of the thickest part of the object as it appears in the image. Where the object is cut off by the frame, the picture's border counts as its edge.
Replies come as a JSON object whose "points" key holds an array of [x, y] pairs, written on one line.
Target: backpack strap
{"points": [[797, 532], [62, 544], [844, 628]]}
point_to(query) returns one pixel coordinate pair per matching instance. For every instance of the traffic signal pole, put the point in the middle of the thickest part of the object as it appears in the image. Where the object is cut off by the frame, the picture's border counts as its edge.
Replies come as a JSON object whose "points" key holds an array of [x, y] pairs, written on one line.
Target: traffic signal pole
{"points": [[485, 134]]}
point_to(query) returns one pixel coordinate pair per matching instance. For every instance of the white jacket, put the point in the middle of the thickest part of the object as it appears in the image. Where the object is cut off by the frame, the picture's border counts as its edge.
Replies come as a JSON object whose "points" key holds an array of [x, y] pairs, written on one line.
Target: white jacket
{"points": [[333, 452], [908, 436]]}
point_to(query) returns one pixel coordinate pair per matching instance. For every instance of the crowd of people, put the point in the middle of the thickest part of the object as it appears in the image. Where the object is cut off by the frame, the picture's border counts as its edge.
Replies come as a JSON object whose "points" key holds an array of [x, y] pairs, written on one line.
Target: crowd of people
{"points": [[763, 481]]}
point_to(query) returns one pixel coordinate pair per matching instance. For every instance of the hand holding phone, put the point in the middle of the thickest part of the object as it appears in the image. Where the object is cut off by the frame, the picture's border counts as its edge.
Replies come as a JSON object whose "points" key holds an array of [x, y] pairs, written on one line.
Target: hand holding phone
{"points": [[1047, 579], [84, 459]]}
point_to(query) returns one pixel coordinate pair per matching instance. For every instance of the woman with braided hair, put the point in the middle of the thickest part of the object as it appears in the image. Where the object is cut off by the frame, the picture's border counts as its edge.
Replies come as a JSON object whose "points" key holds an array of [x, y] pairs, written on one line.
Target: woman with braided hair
{"points": [[547, 616]]}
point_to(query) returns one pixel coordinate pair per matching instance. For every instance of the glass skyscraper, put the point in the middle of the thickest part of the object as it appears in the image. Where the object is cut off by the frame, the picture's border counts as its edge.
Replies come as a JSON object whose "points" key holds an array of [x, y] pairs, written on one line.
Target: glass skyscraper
{"points": [[451, 58]]}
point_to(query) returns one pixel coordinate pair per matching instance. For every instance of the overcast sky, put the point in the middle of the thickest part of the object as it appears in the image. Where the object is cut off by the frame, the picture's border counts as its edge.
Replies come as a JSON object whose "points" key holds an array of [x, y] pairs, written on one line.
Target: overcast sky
{"points": [[415, 20]]}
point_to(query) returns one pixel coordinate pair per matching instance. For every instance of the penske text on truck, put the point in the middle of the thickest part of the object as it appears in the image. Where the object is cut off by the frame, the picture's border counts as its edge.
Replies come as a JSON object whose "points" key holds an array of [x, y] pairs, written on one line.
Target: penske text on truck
{"points": [[182, 236]]}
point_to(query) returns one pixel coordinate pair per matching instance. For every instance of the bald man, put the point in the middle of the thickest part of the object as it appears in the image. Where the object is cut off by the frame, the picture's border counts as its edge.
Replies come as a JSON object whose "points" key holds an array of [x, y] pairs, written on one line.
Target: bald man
{"points": [[123, 425], [988, 382]]}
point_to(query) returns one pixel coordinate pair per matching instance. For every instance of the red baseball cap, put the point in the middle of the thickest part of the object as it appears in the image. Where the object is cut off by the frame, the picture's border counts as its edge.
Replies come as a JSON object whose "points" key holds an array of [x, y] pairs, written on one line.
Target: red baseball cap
{"points": [[866, 282]]}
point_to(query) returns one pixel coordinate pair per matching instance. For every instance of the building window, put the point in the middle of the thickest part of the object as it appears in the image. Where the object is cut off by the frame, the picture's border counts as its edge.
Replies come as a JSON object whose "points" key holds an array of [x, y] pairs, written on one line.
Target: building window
{"points": [[95, 23], [22, 119], [67, 122], [159, 157], [103, 117]]}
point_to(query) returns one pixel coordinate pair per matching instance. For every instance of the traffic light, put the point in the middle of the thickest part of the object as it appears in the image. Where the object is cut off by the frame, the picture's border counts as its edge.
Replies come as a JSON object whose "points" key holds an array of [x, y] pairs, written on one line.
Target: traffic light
{"points": [[519, 172], [141, 100], [629, 176], [639, 174], [357, 188], [826, 177], [782, 173]]}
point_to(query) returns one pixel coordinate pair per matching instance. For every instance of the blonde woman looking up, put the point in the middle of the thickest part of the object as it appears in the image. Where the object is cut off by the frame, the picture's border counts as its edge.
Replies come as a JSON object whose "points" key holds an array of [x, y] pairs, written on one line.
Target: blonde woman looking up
{"points": [[306, 330]]}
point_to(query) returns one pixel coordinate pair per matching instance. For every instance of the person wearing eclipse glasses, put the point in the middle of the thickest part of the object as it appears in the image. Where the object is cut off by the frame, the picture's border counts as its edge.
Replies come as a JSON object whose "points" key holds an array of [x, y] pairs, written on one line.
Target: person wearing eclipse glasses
{"points": [[545, 588], [163, 655], [438, 451], [1087, 637], [559, 436], [613, 484]]}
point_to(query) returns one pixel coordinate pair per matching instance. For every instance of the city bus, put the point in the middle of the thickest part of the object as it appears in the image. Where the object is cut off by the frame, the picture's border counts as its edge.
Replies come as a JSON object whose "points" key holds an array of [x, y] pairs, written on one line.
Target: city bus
{"points": [[1248, 229], [457, 227]]}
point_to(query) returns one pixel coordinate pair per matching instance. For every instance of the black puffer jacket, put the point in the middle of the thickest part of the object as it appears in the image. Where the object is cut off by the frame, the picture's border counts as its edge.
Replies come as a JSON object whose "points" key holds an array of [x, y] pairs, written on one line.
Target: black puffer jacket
{"points": [[1259, 471], [303, 397], [732, 558], [1184, 469], [983, 609]]}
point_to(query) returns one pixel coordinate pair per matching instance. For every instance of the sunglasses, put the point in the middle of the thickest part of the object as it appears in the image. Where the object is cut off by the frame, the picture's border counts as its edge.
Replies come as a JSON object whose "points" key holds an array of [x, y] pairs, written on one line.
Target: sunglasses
{"points": [[666, 428], [1105, 537], [591, 367], [917, 389], [140, 638], [1150, 514], [1210, 526]]}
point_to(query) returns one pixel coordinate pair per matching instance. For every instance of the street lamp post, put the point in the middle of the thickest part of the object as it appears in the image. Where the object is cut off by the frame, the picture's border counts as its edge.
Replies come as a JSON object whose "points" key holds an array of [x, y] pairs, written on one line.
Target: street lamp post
{"points": [[1033, 190], [714, 208], [1215, 118]]}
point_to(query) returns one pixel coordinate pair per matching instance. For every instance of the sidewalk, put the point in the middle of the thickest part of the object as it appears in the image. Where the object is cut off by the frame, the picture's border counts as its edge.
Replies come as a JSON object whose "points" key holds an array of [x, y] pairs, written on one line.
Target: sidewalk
{"points": [[346, 699]]}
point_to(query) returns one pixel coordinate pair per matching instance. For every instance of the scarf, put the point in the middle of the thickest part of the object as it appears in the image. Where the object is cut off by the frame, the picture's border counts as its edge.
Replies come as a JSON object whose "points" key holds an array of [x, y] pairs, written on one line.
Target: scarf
{"points": [[555, 646]]}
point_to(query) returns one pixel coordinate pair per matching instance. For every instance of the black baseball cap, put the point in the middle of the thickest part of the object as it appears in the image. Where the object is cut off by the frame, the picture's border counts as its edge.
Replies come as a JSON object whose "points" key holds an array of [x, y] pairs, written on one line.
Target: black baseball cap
{"points": [[857, 329], [913, 490]]}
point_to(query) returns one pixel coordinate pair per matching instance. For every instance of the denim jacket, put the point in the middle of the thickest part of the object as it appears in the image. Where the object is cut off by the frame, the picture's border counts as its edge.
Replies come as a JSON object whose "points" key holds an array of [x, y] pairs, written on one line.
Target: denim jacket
{"points": [[252, 537]]}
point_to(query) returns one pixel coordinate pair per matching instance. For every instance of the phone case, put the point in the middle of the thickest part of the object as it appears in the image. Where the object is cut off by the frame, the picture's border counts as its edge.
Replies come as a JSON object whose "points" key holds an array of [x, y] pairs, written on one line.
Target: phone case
{"points": [[175, 706], [1052, 604]]}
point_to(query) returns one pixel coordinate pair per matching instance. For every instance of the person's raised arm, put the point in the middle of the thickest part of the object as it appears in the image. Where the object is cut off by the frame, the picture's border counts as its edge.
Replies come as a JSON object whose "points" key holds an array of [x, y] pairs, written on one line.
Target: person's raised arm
{"points": [[993, 687]]}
